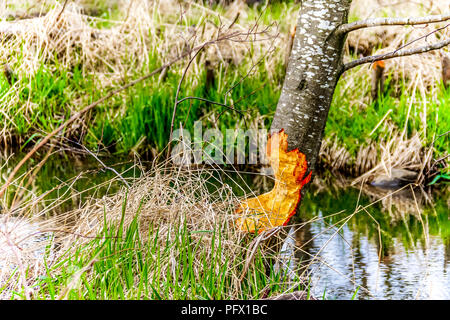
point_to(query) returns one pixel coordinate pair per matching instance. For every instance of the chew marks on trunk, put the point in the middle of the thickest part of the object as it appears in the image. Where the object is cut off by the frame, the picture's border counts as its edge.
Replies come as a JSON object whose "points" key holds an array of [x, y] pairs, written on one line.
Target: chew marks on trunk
{"points": [[276, 207]]}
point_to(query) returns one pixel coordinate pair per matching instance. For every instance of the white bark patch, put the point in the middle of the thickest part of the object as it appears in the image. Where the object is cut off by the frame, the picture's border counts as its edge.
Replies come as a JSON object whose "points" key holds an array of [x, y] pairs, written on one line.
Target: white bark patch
{"points": [[325, 25], [320, 13]]}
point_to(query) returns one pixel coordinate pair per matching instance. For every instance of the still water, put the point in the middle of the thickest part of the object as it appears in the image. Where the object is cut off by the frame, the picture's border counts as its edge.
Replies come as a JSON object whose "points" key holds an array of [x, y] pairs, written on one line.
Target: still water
{"points": [[350, 243], [351, 260], [356, 242], [385, 251]]}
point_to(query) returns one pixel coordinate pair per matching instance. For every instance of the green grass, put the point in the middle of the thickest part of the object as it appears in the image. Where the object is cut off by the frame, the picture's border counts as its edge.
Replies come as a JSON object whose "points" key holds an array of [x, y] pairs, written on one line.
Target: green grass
{"points": [[139, 118], [121, 264], [143, 111], [352, 124]]}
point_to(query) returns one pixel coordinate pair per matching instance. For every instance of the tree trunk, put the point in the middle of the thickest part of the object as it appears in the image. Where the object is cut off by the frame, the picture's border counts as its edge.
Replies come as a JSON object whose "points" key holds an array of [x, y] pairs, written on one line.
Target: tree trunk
{"points": [[314, 67], [313, 71]]}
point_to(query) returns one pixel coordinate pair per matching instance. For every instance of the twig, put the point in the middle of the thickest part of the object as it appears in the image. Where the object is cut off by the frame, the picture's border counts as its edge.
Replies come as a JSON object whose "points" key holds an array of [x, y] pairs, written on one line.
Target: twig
{"points": [[443, 134], [104, 165], [234, 20], [219, 104], [15, 251], [20, 193], [254, 246], [219, 38], [176, 99], [395, 54], [62, 10], [345, 28], [213, 102]]}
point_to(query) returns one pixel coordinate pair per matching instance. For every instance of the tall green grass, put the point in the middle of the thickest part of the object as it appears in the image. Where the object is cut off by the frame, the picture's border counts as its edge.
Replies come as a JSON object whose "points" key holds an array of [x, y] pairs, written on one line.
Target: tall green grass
{"points": [[142, 112], [121, 264]]}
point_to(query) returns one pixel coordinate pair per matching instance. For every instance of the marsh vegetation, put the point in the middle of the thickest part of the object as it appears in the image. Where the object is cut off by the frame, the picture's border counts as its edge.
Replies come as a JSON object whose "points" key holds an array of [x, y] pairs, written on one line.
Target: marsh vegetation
{"points": [[98, 213]]}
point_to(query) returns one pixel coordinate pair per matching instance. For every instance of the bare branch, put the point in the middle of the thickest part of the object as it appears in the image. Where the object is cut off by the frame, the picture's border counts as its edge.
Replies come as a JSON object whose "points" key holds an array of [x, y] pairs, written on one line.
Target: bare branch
{"points": [[104, 165], [213, 102], [176, 99], [395, 54], [345, 28], [62, 10]]}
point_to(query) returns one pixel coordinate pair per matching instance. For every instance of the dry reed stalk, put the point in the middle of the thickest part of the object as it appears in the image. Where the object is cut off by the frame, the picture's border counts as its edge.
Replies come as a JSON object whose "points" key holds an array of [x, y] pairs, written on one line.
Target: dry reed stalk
{"points": [[149, 27], [22, 247], [397, 152]]}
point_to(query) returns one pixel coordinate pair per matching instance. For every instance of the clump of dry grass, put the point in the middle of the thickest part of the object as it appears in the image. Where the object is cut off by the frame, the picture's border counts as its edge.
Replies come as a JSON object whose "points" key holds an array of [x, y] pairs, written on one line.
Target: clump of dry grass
{"points": [[399, 152], [166, 203], [144, 30], [169, 201], [395, 150], [23, 246], [162, 199]]}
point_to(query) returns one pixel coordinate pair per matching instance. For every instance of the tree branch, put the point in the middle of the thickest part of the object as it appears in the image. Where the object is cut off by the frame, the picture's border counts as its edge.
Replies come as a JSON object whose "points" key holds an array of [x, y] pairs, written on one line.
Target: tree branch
{"points": [[346, 28], [395, 54]]}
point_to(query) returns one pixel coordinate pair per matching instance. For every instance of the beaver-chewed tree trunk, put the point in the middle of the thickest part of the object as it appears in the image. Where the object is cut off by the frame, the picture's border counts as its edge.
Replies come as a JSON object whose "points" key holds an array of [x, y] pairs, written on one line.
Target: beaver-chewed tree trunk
{"points": [[313, 70]]}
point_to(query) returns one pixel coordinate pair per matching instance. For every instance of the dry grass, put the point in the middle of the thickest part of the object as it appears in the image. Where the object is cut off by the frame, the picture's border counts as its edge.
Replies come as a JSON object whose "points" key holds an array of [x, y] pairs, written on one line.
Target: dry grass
{"points": [[423, 68], [164, 201], [398, 152], [144, 30], [378, 158], [22, 249], [419, 76]]}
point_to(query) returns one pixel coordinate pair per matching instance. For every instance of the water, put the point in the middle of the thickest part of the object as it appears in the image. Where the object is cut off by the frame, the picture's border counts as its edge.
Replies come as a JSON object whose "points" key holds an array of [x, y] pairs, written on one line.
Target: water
{"points": [[394, 248], [69, 179], [379, 253], [32, 242], [352, 260]]}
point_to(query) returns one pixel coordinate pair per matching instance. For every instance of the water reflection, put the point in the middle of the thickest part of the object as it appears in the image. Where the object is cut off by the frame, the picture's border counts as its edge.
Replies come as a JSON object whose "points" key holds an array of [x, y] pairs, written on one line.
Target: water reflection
{"points": [[382, 253]]}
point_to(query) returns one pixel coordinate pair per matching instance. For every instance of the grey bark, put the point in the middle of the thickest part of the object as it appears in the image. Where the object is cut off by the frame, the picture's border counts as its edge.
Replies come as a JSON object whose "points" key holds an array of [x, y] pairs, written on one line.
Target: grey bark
{"points": [[313, 70]]}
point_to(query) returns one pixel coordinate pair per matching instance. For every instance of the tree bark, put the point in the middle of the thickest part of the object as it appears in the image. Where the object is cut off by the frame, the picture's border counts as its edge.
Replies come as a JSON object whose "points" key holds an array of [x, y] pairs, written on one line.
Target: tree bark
{"points": [[314, 67]]}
